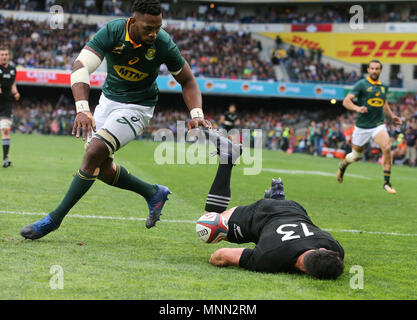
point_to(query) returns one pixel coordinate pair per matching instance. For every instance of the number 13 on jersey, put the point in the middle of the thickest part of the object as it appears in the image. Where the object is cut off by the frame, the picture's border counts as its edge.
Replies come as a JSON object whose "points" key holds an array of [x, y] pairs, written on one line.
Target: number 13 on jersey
{"points": [[290, 234]]}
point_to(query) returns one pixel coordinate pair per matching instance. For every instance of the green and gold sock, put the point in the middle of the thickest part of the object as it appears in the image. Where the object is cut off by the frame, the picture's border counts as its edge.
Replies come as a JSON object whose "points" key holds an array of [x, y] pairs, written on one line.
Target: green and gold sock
{"points": [[125, 180], [387, 176], [79, 186]]}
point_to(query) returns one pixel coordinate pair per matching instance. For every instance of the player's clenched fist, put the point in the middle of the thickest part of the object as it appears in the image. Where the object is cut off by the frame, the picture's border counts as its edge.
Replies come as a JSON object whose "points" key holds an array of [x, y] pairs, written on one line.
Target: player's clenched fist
{"points": [[83, 124], [362, 109]]}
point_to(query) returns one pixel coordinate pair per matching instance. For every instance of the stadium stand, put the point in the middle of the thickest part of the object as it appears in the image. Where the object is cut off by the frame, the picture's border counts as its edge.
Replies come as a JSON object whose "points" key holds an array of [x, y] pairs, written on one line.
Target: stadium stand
{"points": [[317, 133], [275, 13], [221, 54]]}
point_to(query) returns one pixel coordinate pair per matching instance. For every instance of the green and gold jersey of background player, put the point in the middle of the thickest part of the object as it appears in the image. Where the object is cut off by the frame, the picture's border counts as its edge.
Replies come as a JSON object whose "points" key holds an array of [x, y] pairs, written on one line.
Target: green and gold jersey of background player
{"points": [[132, 68], [372, 95]]}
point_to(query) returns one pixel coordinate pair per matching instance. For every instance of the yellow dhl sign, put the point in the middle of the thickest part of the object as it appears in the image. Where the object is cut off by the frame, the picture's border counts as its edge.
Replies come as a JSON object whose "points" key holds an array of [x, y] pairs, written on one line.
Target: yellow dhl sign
{"points": [[129, 73], [356, 47]]}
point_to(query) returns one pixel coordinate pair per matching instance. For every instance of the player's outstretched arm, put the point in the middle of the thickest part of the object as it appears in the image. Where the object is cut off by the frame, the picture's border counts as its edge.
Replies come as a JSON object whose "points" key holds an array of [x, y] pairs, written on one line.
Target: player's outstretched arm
{"points": [[226, 257], [192, 97], [86, 63]]}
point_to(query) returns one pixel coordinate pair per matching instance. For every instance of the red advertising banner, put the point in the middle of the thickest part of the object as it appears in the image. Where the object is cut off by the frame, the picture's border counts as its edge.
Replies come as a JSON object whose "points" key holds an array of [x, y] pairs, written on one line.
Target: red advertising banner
{"points": [[54, 77], [311, 27]]}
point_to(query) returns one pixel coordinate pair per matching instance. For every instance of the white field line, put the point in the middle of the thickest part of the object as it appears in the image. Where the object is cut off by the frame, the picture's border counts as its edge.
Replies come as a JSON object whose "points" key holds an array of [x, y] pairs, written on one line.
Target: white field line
{"points": [[189, 221], [313, 172]]}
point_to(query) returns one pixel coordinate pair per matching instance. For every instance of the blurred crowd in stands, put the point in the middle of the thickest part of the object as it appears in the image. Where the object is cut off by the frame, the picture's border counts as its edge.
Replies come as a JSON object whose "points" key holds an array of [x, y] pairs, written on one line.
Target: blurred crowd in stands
{"points": [[318, 133], [222, 54], [306, 65], [211, 53], [277, 13]]}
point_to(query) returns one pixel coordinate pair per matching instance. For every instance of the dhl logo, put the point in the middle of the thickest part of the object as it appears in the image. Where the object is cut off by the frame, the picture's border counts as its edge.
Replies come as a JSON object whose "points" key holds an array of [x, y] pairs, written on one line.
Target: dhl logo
{"points": [[405, 49], [130, 74], [304, 42], [376, 102], [356, 47]]}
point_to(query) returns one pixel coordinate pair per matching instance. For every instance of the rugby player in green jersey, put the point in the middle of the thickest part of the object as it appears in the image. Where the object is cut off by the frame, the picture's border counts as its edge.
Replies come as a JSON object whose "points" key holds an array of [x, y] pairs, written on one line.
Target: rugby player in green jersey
{"points": [[372, 106], [134, 49]]}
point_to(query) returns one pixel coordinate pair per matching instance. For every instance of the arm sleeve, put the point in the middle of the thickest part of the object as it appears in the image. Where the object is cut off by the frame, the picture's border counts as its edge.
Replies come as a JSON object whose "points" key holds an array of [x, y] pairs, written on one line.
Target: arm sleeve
{"points": [[102, 41], [174, 60], [257, 260]]}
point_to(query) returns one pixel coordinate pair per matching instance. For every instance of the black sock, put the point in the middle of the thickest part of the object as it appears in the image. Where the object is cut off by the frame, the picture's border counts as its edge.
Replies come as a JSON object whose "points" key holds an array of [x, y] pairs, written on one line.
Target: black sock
{"points": [[6, 148], [219, 196], [387, 176], [79, 186]]}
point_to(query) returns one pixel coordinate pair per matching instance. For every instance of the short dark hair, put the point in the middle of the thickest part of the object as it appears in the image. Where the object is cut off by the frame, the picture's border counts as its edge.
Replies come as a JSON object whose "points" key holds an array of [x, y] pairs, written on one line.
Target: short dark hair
{"points": [[375, 61], [323, 264], [152, 7]]}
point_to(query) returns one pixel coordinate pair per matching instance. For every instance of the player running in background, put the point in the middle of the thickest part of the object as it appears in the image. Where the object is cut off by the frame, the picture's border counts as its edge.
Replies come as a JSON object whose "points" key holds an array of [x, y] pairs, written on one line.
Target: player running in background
{"points": [[372, 106], [286, 238], [8, 92], [134, 49], [229, 121]]}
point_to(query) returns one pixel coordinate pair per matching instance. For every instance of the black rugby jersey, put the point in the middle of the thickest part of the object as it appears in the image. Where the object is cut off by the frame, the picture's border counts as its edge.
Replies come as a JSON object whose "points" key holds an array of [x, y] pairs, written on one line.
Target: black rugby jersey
{"points": [[7, 78], [282, 231]]}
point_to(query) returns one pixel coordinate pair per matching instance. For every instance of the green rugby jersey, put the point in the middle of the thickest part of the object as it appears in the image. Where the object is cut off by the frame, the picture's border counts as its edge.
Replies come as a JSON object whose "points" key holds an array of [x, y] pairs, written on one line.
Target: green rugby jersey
{"points": [[132, 68], [371, 95]]}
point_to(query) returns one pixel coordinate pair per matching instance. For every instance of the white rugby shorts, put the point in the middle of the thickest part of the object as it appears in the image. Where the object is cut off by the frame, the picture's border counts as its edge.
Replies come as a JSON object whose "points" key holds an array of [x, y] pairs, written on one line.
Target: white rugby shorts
{"points": [[119, 123], [362, 136], [5, 123]]}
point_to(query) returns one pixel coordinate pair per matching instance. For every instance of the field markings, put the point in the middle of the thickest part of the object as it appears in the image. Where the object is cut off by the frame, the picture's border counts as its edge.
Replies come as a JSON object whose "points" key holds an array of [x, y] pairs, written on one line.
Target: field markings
{"points": [[189, 221], [313, 172]]}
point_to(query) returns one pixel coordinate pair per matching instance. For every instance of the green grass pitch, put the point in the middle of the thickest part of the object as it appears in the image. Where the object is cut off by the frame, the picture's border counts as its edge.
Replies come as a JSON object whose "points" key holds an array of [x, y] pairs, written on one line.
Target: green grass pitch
{"points": [[106, 252]]}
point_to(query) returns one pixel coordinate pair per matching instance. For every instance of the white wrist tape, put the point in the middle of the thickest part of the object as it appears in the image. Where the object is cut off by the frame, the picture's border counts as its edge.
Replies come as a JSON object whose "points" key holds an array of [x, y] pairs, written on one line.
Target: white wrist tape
{"points": [[82, 106], [196, 113], [90, 62]]}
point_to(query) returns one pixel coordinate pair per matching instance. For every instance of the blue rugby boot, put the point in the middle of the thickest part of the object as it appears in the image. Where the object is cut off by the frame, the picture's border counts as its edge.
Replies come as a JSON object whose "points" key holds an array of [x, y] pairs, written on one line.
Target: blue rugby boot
{"points": [[155, 205], [276, 191], [39, 229]]}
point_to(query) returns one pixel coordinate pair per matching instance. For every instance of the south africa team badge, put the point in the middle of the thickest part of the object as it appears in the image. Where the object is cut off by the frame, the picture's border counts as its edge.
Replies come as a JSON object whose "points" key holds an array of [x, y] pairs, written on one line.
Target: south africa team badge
{"points": [[150, 54]]}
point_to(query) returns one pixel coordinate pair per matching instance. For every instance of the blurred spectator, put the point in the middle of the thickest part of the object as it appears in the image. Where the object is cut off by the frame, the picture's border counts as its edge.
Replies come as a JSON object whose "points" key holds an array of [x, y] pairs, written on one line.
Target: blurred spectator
{"points": [[411, 138]]}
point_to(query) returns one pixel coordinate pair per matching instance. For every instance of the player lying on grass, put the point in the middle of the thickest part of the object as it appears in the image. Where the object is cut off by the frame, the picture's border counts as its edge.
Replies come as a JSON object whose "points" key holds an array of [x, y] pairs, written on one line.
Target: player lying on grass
{"points": [[286, 238]]}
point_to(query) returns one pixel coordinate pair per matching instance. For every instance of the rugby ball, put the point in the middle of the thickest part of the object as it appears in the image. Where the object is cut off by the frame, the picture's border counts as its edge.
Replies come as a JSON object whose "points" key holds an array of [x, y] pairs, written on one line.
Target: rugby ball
{"points": [[211, 227]]}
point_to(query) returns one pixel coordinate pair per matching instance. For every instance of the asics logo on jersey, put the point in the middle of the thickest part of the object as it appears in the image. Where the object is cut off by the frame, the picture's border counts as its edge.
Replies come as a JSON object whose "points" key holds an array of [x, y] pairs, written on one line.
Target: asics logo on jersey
{"points": [[130, 74]]}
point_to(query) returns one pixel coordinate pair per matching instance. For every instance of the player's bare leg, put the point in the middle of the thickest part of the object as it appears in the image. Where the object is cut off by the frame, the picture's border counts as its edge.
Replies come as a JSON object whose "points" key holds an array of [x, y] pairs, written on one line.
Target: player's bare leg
{"points": [[218, 197], [383, 141], [354, 156]]}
